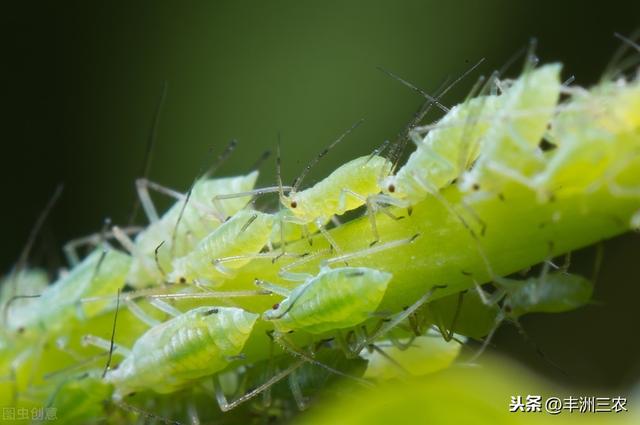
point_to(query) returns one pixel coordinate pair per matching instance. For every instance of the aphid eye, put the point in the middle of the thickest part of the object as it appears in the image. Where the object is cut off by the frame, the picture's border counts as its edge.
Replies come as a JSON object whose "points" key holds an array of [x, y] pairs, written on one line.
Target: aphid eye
{"points": [[294, 204], [546, 145], [392, 188], [20, 330], [182, 280], [210, 312], [507, 309], [475, 186], [275, 306]]}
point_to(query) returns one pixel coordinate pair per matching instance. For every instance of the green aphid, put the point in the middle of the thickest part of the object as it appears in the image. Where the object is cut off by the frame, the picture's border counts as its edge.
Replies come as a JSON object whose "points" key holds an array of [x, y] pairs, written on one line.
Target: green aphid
{"points": [[174, 354], [102, 273], [229, 247], [167, 239], [334, 299]]}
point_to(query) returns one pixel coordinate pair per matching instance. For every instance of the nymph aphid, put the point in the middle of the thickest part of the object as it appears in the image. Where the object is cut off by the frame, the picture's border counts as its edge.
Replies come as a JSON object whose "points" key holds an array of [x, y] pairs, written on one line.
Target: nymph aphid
{"points": [[334, 299], [176, 353], [240, 238]]}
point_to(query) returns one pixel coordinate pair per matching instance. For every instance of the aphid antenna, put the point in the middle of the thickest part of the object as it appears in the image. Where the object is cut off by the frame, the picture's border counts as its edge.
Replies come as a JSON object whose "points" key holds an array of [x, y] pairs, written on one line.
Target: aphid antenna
{"points": [[225, 405], [179, 219], [513, 58], [401, 140], [396, 150], [619, 63], [531, 60], [14, 298], [157, 261], [280, 189], [379, 150], [226, 153], [113, 335], [263, 157], [74, 367], [35, 230], [298, 180], [151, 144], [433, 100], [149, 415]]}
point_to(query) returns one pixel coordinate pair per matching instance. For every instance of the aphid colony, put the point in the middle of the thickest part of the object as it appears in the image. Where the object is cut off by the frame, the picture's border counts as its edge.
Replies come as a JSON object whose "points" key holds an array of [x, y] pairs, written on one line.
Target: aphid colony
{"points": [[331, 319]]}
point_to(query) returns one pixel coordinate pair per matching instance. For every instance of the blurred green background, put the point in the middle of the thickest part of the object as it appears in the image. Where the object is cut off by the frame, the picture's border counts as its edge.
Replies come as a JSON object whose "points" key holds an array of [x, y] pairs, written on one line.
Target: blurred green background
{"points": [[83, 79]]}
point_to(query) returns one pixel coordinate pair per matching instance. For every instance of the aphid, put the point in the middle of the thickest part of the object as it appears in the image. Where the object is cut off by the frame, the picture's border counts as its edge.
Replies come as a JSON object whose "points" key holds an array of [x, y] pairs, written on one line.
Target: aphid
{"points": [[427, 354], [512, 142], [198, 217], [350, 186], [598, 131], [240, 239], [176, 353], [334, 299], [470, 134], [101, 273], [550, 292]]}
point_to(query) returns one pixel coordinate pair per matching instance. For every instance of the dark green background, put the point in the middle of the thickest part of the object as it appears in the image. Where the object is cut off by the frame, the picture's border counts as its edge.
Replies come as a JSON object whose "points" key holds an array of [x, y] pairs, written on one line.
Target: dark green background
{"points": [[81, 81]]}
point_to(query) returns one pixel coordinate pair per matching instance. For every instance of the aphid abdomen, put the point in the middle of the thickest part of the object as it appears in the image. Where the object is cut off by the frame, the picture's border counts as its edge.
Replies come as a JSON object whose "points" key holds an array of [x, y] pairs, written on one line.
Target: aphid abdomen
{"points": [[600, 127], [335, 299], [555, 293], [193, 345], [247, 232], [327, 197]]}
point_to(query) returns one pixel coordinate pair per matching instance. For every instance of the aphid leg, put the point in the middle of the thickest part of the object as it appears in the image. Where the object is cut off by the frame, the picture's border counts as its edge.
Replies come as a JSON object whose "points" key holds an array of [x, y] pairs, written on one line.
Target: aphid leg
{"points": [[390, 359], [146, 414], [513, 174], [399, 344], [165, 307], [139, 313], [286, 274], [260, 256], [400, 317], [273, 288], [208, 295], [301, 401], [131, 247], [369, 251], [216, 200], [287, 345], [72, 247], [487, 339], [489, 299], [192, 413], [105, 345], [371, 210], [320, 225], [225, 405], [142, 187], [448, 334]]}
